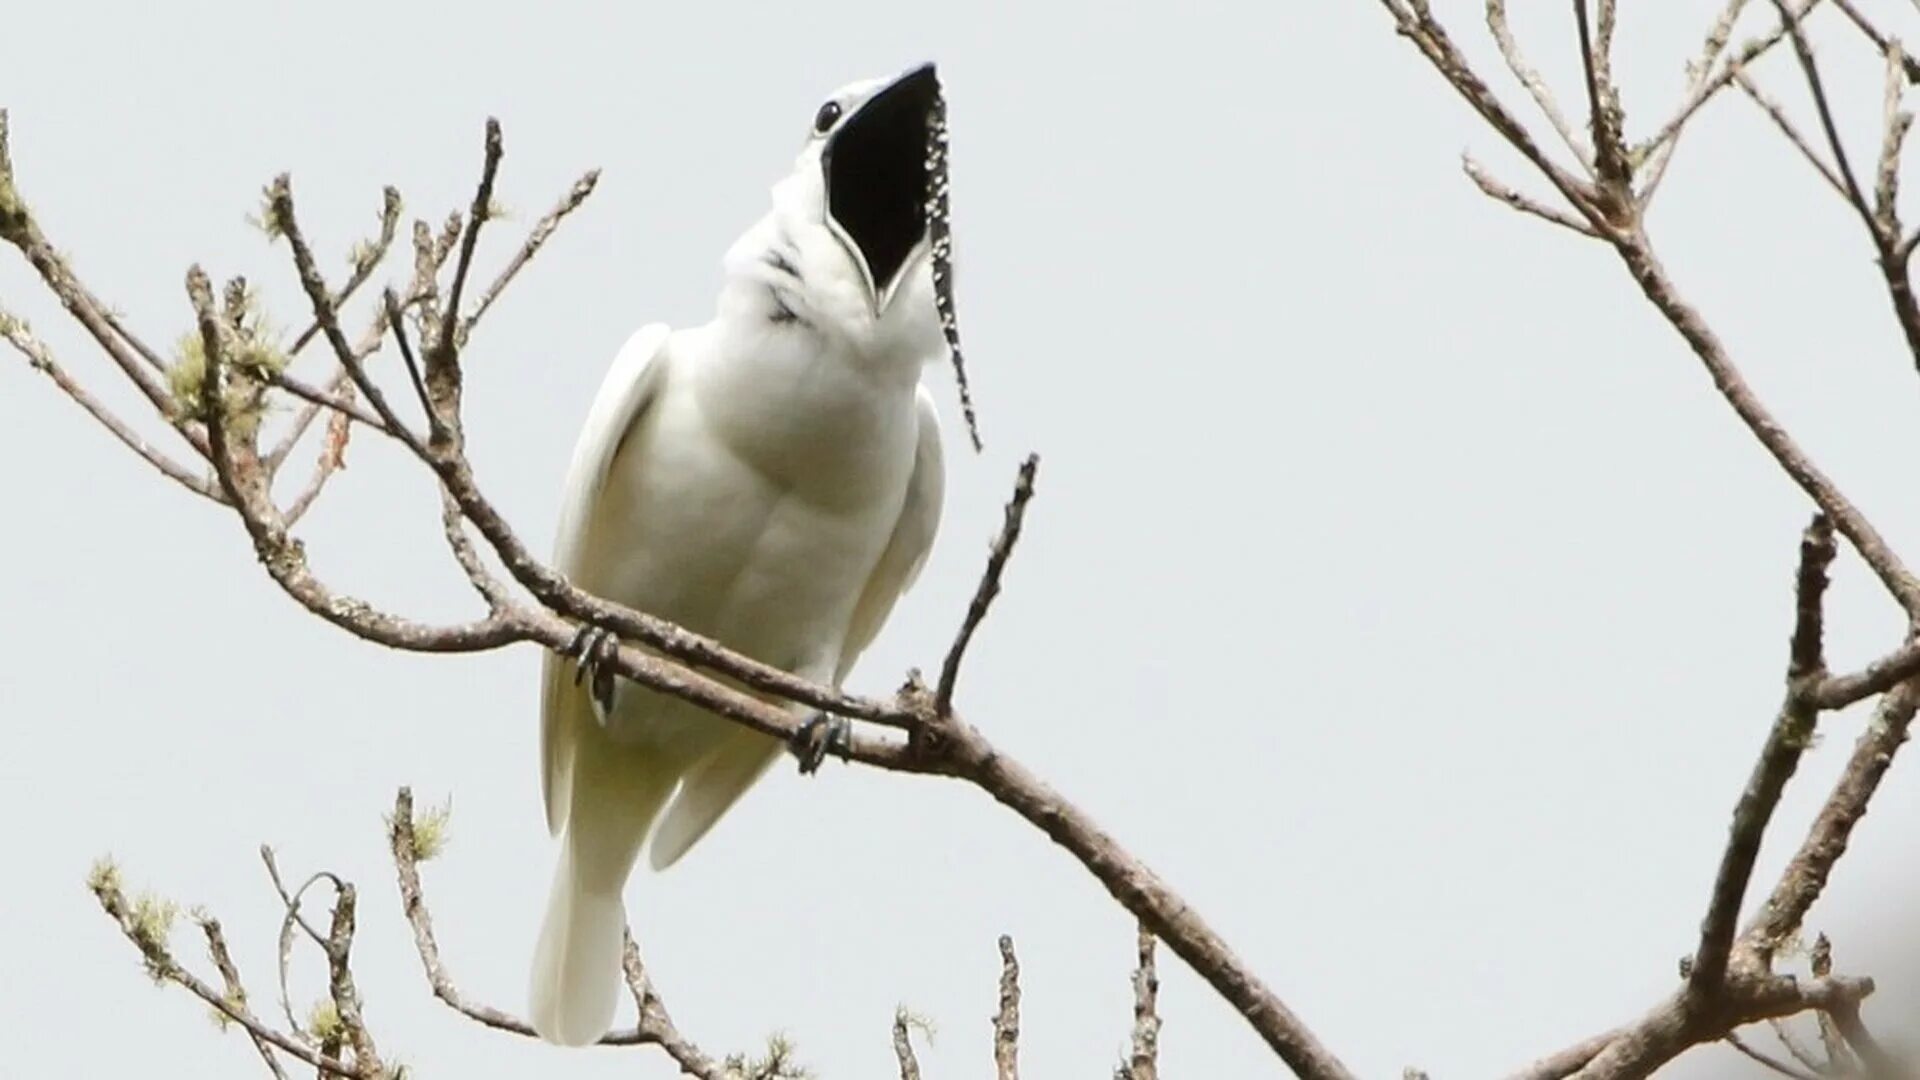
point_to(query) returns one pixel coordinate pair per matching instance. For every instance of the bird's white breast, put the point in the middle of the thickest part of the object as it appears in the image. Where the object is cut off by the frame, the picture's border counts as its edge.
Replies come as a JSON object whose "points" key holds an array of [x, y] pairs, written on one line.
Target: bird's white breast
{"points": [[750, 503]]}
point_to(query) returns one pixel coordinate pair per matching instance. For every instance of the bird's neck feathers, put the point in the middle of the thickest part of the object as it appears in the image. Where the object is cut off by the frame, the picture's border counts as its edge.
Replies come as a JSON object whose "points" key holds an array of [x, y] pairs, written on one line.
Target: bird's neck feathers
{"points": [[788, 274]]}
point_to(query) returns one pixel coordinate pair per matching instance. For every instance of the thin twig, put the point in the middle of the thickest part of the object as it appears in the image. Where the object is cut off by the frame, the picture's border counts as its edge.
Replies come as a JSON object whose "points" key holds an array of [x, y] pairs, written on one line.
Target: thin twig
{"points": [[1818, 87], [1659, 148], [454, 526], [1895, 123], [989, 587], [1500, 192], [1770, 1062], [1807, 872], [366, 259], [222, 959], [340, 383], [1786, 742], [654, 1025], [1145, 1062], [903, 1045], [1006, 1018], [40, 358], [478, 216], [333, 458], [1806, 653], [1839, 1057], [653, 1028], [399, 328], [161, 963], [1786, 126], [1881, 41], [536, 239], [1609, 153], [338, 402], [347, 1006], [1530, 79], [281, 195], [19, 228], [1785, 1037], [1840, 691]]}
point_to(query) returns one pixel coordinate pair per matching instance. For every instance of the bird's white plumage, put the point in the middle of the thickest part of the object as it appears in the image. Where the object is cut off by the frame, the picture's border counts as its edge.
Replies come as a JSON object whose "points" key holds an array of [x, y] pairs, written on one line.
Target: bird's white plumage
{"points": [[623, 394], [772, 479]]}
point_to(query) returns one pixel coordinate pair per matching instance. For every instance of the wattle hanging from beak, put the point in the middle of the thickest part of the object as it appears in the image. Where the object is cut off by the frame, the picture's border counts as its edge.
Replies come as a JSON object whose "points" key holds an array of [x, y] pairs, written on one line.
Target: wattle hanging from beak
{"points": [[875, 170]]}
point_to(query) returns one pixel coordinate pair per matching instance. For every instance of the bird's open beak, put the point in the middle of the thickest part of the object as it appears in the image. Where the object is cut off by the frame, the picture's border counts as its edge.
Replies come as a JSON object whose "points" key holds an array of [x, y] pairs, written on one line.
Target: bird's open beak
{"points": [[875, 168]]}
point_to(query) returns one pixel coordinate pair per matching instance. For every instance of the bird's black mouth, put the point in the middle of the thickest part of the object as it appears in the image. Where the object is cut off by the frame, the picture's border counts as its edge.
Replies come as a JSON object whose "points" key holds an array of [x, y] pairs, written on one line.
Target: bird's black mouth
{"points": [[875, 169]]}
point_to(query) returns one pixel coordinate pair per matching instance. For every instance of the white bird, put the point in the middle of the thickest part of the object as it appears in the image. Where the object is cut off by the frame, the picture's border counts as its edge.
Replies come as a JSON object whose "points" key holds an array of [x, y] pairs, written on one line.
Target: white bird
{"points": [[772, 479]]}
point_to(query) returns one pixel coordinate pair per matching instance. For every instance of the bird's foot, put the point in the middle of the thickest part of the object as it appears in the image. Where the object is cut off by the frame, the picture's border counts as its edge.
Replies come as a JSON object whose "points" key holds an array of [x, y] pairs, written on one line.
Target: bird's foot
{"points": [[591, 649], [825, 733]]}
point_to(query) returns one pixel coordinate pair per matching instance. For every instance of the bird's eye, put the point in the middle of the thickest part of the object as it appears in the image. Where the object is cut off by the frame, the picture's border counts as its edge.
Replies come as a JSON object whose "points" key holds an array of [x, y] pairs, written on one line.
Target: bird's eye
{"points": [[825, 118]]}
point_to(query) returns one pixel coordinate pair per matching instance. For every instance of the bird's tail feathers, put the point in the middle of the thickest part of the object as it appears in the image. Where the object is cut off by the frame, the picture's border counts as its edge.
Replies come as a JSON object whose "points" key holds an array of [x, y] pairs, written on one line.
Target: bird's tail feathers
{"points": [[575, 984]]}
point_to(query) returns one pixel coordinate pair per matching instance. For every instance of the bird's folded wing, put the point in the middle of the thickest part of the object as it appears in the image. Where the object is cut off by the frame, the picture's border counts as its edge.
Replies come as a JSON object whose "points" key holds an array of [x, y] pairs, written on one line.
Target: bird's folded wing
{"points": [[631, 385]]}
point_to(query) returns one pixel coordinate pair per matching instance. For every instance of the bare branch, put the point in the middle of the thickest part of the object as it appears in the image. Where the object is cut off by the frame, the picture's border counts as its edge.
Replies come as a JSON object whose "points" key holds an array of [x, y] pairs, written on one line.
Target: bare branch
{"points": [[280, 193], [903, 1046], [989, 587], [1805, 655], [404, 846], [1909, 66], [333, 458], [399, 327], [1786, 742], [340, 982], [338, 385], [476, 217], [1006, 1019], [367, 258], [222, 959], [18, 227], [1788, 739], [1529, 78], [1779, 117], [162, 965], [1772, 1064], [1784, 1035], [40, 358], [1647, 272], [1495, 190], [542, 231], [1818, 87], [1659, 148], [1876, 678], [654, 1027], [454, 527], [1145, 1062], [1677, 1023], [1609, 151], [1895, 123], [1807, 873]]}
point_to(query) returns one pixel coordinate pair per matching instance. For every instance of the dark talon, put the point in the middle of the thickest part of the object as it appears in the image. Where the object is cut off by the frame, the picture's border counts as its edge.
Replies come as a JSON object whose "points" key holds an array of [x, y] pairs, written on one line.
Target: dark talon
{"points": [[591, 650], [823, 734]]}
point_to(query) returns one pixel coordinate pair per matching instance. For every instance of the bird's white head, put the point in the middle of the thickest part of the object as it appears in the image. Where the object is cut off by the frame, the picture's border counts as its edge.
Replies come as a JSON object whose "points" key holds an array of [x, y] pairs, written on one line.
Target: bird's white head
{"points": [[844, 251]]}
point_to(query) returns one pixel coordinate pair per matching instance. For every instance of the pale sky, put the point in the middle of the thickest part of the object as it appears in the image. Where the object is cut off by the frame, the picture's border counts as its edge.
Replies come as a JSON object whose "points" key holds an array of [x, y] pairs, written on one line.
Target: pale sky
{"points": [[1397, 587]]}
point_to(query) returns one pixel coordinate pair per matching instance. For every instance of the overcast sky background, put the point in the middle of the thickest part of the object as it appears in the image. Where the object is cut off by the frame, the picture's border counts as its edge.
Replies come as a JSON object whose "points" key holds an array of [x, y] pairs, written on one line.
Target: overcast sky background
{"points": [[1398, 586]]}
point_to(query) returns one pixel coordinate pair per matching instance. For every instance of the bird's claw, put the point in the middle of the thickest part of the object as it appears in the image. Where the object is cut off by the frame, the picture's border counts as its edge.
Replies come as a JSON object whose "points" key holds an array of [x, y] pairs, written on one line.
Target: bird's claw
{"points": [[823, 734], [591, 649]]}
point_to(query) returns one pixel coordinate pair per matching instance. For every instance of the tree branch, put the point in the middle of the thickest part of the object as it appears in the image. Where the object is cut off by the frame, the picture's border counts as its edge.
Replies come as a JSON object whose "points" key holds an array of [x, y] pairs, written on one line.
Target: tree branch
{"points": [[1791, 733], [1006, 1018], [989, 586]]}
